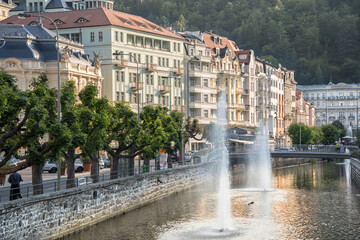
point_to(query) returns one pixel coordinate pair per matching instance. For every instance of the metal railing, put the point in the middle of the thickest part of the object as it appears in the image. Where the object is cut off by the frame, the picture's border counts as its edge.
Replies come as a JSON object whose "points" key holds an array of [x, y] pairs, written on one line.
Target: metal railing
{"points": [[48, 186]]}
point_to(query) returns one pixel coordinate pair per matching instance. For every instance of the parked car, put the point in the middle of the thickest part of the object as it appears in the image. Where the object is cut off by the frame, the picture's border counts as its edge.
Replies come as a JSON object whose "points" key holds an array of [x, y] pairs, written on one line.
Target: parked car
{"points": [[107, 162], [101, 163], [188, 157], [51, 167], [174, 157]]}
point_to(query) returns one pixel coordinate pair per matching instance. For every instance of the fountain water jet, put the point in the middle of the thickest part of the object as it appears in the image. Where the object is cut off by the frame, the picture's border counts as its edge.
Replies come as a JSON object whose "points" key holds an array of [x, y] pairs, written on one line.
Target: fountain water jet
{"points": [[224, 199], [260, 162]]}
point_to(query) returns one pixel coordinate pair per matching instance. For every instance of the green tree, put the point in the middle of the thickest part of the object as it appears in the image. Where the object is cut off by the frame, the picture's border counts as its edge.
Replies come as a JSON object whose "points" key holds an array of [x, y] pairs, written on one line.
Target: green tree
{"points": [[27, 120], [94, 120], [340, 127], [70, 119], [316, 135], [300, 133], [330, 133]]}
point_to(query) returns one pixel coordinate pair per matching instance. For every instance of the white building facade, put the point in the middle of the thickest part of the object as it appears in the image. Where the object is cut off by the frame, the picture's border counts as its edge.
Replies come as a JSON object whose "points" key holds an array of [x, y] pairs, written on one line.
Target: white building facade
{"points": [[334, 102]]}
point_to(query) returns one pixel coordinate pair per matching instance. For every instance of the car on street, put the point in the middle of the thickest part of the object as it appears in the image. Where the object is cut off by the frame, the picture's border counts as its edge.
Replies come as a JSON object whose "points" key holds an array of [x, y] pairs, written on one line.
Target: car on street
{"points": [[51, 167], [106, 162], [188, 157]]}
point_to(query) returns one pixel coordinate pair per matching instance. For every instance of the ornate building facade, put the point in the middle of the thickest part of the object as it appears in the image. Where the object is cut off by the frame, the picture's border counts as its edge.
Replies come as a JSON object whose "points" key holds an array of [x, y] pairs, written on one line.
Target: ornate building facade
{"points": [[334, 102], [156, 54], [28, 51], [5, 7]]}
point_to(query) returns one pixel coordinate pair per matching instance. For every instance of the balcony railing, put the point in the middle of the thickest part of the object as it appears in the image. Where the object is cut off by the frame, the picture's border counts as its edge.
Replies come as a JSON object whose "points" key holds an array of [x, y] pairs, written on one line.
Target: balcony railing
{"points": [[121, 63], [179, 108], [134, 86], [165, 88], [151, 67], [178, 71]]}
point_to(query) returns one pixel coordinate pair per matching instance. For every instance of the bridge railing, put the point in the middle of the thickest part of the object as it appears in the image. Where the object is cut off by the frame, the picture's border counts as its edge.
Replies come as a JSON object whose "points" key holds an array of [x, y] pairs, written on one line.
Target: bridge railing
{"points": [[319, 148]]}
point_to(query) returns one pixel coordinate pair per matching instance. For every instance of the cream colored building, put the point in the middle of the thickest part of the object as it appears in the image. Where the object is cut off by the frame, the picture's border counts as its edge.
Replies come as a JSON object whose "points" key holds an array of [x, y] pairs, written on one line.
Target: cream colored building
{"points": [[159, 54], [28, 51], [226, 66], [289, 103], [247, 64], [5, 7], [202, 89]]}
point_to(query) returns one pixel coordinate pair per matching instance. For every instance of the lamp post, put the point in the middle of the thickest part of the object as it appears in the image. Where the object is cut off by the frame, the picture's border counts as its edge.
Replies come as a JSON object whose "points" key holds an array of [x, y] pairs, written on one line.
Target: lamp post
{"points": [[21, 15], [137, 84]]}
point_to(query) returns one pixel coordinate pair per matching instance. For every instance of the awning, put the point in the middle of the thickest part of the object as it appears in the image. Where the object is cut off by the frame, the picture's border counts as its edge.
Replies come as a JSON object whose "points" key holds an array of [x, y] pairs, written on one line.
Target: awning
{"points": [[241, 141]]}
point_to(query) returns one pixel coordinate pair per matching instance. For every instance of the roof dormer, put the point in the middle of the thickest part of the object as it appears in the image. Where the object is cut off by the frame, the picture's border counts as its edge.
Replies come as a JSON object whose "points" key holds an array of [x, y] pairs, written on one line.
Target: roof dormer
{"points": [[81, 20]]}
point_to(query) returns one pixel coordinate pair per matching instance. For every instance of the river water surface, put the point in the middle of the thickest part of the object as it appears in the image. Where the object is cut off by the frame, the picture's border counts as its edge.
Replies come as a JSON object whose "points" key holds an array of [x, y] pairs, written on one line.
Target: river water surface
{"points": [[307, 202]]}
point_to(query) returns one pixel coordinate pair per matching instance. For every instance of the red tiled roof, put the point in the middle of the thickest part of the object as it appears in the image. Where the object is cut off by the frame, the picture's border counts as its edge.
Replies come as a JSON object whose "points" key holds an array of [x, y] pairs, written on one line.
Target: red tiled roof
{"points": [[208, 39], [243, 52], [96, 17]]}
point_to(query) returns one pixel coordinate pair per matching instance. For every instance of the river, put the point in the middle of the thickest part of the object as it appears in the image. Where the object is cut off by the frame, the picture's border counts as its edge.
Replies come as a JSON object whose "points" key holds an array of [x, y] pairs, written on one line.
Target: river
{"points": [[307, 202]]}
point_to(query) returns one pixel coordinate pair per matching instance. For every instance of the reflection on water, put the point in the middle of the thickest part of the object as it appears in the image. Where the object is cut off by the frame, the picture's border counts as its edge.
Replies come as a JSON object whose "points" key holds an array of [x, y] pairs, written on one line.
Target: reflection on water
{"points": [[308, 202]]}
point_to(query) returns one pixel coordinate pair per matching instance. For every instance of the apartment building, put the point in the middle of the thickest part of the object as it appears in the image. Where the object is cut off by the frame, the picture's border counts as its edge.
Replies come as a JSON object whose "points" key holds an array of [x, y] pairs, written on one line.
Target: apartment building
{"points": [[226, 66], [247, 65], [149, 52], [305, 111], [202, 89], [28, 51], [289, 102], [5, 7], [334, 102]]}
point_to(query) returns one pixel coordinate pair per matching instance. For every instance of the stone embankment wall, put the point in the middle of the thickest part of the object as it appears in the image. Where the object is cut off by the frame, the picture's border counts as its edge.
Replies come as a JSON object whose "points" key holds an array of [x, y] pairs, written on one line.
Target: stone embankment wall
{"points": [[58, 214], [355, 170]]}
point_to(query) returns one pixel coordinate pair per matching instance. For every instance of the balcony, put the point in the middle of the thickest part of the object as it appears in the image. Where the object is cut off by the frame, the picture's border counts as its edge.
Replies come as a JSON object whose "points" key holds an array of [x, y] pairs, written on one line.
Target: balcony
{"points": [[121, 63], [178, 108], [151, 67], [342, 117], [237, 106], [134, 86], [351, 117], [239, 90], [247, 107], [165, 89], [178, 71]]}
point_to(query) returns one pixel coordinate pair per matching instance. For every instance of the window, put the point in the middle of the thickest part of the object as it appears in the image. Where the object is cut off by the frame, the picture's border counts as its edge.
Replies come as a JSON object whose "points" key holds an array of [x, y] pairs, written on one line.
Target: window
{"points": [[116, 36], [206, 98], [122, 76], [122, 96], [100, 36], [117, 77], [167, 62], [174, 47], [117, 96], [58, 21], [174, 63], [92, 37], [75, 37], [206, 83], [121, 37], [81, 20], [206, 113], [178, 48]]}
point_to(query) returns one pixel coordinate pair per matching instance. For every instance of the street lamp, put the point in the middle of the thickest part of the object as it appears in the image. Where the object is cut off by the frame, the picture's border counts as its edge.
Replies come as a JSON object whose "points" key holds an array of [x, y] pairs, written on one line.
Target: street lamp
{"points": [[22, 15], [137, 83]]}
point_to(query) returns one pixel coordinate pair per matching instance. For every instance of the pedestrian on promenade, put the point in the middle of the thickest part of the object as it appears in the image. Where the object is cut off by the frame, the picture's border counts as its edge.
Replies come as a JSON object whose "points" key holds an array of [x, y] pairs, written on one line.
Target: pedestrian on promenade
{"points": [[15, 179]]}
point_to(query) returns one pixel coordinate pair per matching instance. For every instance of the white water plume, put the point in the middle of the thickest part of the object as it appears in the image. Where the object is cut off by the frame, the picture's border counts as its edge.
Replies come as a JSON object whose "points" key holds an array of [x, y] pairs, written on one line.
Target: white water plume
{"points": [[224, 199]]}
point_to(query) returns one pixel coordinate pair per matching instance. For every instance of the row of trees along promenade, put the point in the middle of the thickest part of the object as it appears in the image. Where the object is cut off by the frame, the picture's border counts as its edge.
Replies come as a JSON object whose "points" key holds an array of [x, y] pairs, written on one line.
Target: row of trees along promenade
{"points": [[28, 125]]}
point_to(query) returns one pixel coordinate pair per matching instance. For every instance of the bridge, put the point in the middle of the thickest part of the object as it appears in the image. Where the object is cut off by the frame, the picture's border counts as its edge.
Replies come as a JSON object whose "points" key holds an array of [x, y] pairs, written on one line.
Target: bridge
{"points": [[310, 154]]}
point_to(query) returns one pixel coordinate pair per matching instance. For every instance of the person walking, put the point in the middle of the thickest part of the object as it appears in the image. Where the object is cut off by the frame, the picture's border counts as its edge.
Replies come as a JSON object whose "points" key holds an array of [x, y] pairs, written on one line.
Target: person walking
{"points": [[15, 179]]}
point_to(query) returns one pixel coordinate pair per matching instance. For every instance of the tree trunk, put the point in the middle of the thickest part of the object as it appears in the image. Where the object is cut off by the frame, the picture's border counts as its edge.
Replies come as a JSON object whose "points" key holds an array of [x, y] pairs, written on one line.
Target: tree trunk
{"points": [[131, 166], [94, 168], [147, 164], [70, 159], [37, 179], [114, 170], [169, 161]]}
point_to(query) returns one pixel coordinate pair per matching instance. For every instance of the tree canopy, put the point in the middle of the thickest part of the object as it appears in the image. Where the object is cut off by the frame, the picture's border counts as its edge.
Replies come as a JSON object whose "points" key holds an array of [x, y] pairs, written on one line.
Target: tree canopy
{"points": [[316, 38]]}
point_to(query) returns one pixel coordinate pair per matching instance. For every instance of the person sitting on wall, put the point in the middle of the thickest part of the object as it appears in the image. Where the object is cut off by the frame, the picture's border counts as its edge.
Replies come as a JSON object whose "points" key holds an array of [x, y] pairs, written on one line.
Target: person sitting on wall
{"points": [[15, 179]]}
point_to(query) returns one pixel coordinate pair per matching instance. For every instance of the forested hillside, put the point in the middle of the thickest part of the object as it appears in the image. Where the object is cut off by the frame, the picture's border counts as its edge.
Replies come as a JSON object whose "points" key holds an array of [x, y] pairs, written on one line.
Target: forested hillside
{"points": [[319, 39]]}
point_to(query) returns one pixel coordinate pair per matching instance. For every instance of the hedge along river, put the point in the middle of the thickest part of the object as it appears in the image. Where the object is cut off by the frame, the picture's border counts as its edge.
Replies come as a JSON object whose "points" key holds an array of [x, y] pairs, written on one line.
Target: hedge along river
{"points": [[307, 202]]}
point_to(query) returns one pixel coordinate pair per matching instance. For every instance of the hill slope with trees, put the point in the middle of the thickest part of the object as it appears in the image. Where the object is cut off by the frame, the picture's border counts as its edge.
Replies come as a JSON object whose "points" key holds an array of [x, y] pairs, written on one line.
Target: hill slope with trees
{"points": [[319, 39]]}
